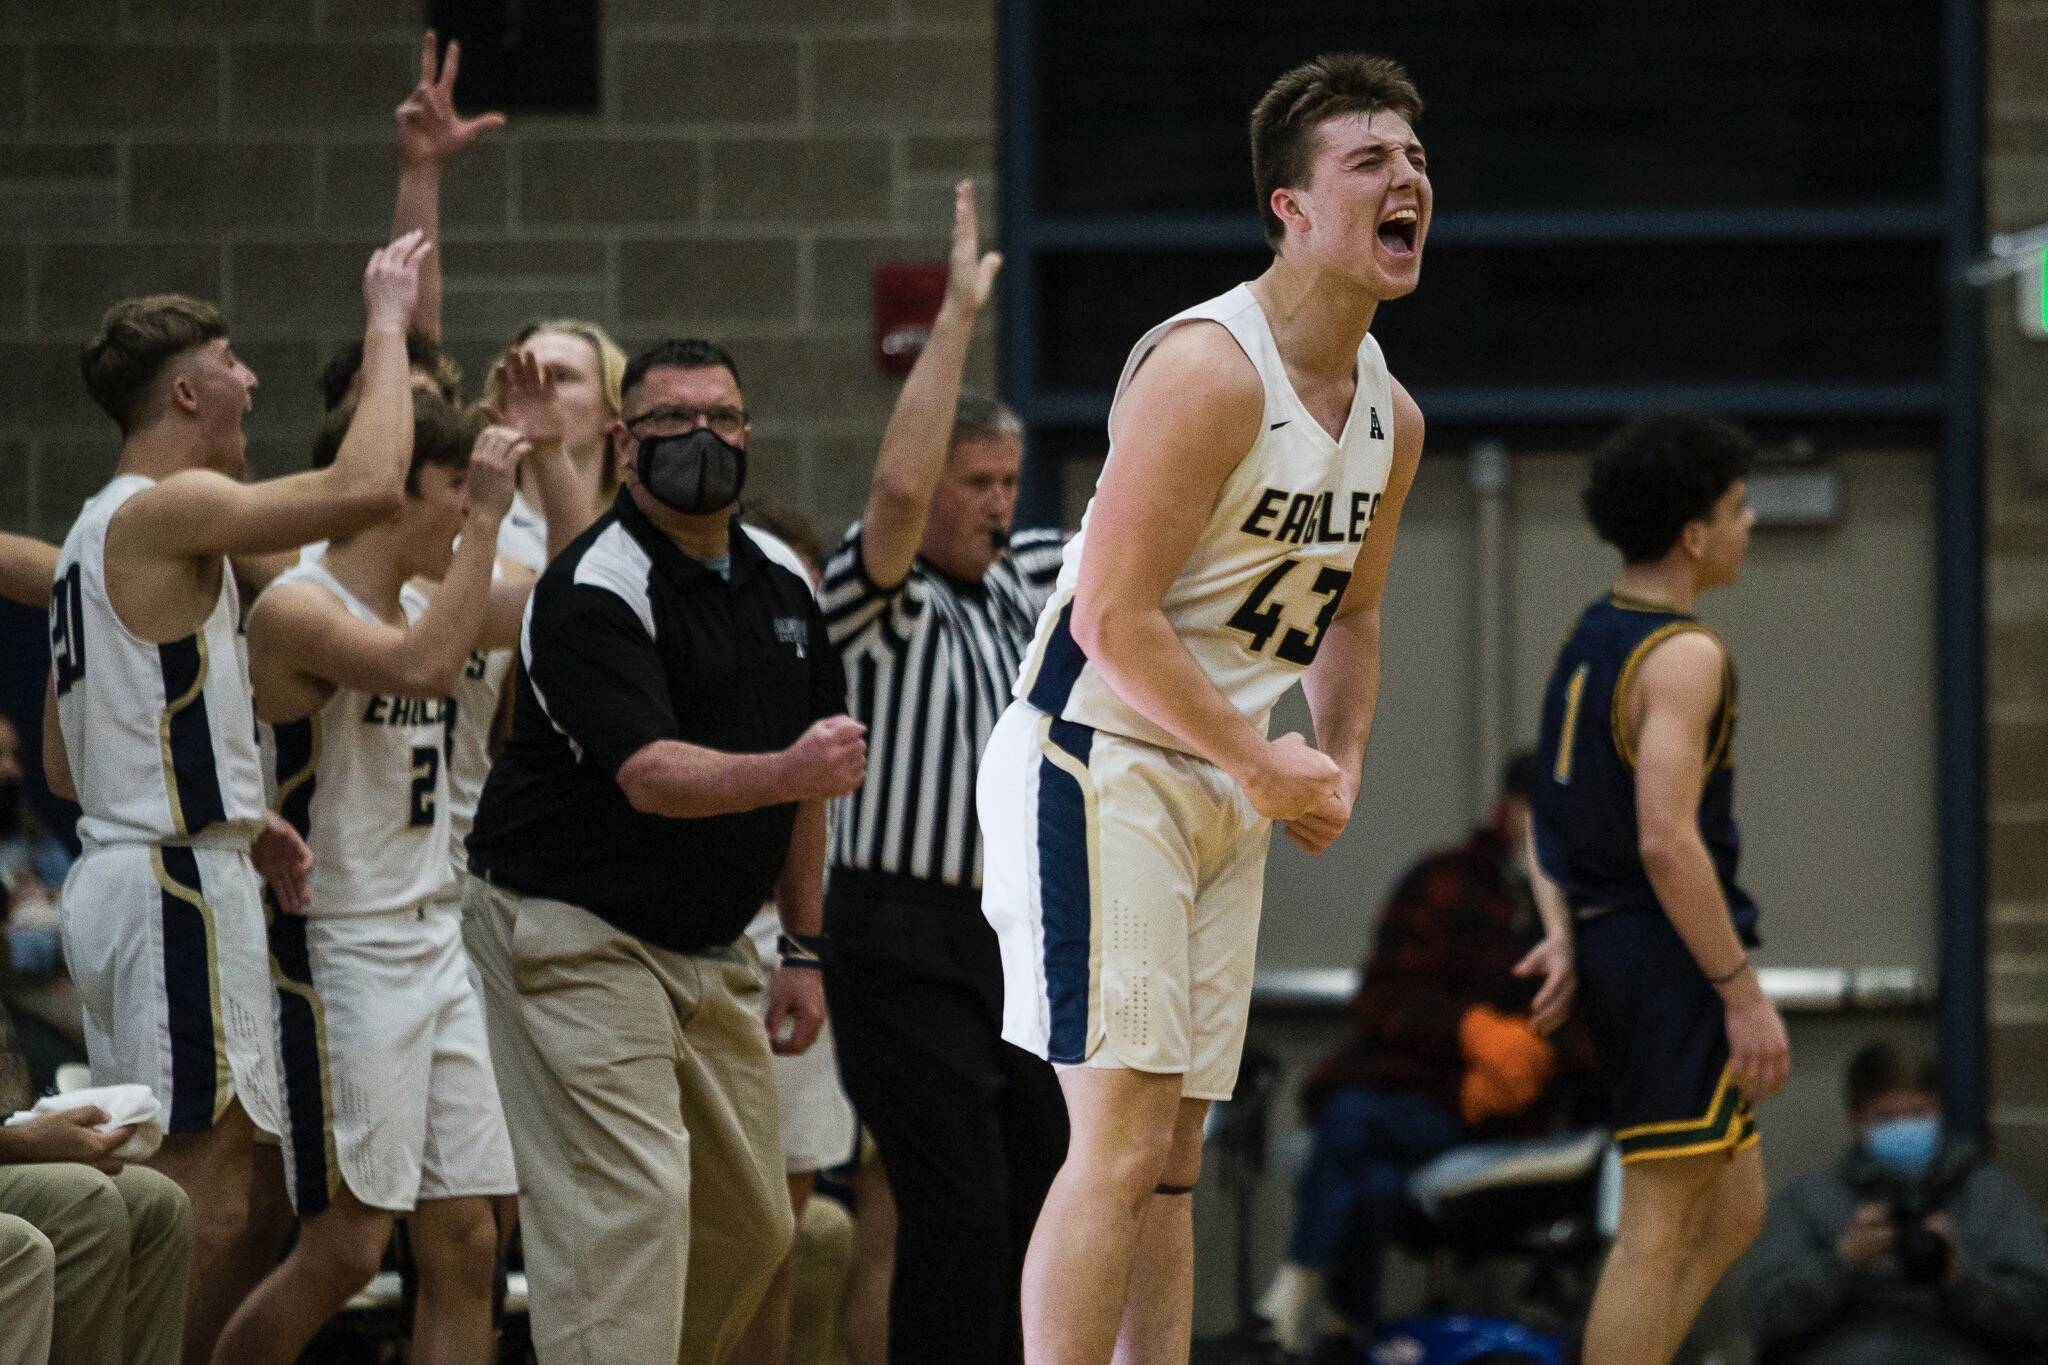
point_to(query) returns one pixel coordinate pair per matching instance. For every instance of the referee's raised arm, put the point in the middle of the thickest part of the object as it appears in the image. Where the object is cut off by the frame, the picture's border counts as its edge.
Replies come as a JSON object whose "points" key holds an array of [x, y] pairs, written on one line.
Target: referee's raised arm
{"points": [[930, 601]]}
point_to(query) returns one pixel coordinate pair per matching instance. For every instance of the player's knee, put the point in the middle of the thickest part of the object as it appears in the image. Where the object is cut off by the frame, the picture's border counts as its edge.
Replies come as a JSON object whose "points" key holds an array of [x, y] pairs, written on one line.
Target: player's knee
{"points": [[458, 1247], [1736, 1216]]}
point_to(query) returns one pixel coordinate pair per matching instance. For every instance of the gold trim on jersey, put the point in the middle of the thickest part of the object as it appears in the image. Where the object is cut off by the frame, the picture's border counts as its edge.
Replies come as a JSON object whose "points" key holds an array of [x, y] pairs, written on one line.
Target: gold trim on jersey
{"points": [[223, 1073], [1724, 736], [163, 728]]}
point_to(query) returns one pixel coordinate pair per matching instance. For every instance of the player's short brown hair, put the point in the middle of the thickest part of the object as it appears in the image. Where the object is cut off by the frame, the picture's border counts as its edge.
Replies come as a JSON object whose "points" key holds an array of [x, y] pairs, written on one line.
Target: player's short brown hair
{"points": [[136, 339], [440, 435], [1288, 117]]}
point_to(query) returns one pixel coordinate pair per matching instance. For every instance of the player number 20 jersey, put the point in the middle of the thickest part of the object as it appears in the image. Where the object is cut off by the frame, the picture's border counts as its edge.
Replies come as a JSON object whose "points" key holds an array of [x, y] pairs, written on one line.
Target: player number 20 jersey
{"points": [[1263, 581], [161, 738]]}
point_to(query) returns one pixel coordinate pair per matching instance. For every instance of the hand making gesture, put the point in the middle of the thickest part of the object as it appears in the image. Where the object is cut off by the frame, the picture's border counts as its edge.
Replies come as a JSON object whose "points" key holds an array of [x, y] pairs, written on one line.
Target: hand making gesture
{"points": [[430, 132]]}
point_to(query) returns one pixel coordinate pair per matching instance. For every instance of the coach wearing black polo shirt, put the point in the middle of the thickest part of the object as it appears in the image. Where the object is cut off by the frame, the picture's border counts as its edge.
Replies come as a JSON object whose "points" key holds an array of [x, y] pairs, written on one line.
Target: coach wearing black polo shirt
{"points": [[678, 730]]}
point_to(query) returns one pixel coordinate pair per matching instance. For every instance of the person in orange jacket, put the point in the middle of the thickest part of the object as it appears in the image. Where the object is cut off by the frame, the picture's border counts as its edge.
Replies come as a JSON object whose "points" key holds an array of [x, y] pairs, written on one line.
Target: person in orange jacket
{"points": [[1452, 1040]]}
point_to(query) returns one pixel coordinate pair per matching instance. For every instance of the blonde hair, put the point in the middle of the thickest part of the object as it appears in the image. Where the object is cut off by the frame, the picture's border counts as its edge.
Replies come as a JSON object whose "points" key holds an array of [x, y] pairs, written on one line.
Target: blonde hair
{"points": [[611, 375]]}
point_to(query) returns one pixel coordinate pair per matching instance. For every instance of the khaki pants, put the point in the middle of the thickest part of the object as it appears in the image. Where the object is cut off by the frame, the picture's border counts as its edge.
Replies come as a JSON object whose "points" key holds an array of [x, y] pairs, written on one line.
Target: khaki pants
{"points": [[28, 1279], [640, 1094], [123, 1247]]}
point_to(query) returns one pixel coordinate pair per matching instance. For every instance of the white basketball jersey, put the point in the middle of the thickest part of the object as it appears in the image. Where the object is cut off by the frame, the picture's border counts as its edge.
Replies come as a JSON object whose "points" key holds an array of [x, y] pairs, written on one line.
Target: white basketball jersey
{"points": [[161, 738], [364, 780], [472, 709], [1263, 581]]}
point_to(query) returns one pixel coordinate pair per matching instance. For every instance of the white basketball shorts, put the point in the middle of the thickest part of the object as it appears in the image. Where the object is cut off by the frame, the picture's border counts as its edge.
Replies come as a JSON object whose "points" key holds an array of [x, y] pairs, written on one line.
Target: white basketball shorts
{"points": [[1124, 883], [818, 1127], [387, 1075], [165, 945]]}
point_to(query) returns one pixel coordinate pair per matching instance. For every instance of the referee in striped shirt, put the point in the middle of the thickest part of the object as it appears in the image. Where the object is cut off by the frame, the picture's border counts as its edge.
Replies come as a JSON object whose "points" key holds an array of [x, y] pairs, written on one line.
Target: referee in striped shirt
{"points": [[930, 601]]}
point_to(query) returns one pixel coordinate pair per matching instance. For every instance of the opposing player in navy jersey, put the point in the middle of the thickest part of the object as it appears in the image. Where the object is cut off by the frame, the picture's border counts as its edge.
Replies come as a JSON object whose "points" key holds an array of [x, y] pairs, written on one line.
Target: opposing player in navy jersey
{"points": [[1634, 823], [1238, 543]]}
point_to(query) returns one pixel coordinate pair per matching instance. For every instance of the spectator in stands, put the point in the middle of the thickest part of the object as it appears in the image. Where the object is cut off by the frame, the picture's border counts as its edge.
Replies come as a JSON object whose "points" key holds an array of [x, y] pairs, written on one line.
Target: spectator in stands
{"points": [[1913, 1249], [1447, 1046], [117, 1240], [33, 984]]}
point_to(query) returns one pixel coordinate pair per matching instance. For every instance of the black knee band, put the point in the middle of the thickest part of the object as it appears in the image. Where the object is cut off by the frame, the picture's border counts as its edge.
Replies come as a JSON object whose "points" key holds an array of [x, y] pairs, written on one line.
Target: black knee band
{"points": [[1173, 1189]]}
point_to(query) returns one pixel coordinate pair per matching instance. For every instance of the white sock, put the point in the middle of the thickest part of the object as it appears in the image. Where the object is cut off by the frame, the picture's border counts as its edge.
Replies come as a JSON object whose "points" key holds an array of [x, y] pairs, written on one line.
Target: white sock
{"points": [[1293, 1303]]}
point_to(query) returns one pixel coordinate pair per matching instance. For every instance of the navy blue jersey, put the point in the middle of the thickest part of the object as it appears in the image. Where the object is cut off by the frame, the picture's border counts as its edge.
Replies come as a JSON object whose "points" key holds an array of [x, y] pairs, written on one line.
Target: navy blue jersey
{"points": [[1585, 801]]}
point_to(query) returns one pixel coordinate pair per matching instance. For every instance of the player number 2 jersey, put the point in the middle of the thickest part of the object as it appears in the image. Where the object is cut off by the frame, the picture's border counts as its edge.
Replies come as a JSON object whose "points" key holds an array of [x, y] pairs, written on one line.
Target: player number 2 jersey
{"points": [[161, 738], [364, 781], [1263, 581]]}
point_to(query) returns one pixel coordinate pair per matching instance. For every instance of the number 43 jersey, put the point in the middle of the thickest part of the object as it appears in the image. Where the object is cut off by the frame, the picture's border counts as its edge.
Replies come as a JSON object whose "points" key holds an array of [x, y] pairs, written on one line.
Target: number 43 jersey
{"points": [[161, 738], [364, 781], [1261, 586]]}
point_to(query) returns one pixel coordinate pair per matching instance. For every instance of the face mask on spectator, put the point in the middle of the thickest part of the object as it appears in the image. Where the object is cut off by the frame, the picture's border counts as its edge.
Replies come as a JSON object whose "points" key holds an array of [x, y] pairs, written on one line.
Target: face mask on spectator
{"points": [[1904, 1147], [10, 809], [696, 472]]}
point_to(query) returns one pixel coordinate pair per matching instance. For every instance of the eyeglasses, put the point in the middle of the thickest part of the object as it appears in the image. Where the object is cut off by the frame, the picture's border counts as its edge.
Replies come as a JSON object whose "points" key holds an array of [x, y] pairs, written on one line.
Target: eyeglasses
{"points": [[726, 422]]}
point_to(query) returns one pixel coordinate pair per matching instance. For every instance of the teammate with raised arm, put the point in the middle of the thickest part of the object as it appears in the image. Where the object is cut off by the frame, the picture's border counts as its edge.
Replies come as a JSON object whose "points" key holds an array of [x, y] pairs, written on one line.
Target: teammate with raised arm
{"points": [[163, 921], [1238, 540], [391, 1107]]}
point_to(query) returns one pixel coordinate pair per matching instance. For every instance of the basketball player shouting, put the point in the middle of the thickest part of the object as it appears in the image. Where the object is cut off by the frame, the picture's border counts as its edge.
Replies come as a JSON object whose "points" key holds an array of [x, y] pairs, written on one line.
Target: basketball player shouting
{"points": [[1239, 538], [163, 925]]}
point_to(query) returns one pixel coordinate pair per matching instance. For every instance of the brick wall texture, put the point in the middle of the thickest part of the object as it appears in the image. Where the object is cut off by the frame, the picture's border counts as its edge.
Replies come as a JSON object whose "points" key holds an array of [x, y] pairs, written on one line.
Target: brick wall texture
{"points": [[753, 161], [2016, 411]]}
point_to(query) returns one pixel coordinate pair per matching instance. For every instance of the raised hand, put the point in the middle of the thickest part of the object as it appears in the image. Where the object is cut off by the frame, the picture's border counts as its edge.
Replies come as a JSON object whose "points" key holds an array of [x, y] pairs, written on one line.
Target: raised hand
{"points": [[494, 471], [970, 273], [430, 132], [526, 398], [391, 281]]}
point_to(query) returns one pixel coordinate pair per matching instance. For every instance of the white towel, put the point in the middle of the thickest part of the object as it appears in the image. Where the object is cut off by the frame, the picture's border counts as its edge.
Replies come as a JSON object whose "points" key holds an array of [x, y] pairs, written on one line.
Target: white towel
{"points": [[127, 1106]]}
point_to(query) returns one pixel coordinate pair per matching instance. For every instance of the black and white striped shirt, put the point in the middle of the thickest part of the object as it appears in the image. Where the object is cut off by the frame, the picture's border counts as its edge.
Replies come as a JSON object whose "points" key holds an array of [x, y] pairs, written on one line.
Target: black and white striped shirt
{"points": [[929, 664]]}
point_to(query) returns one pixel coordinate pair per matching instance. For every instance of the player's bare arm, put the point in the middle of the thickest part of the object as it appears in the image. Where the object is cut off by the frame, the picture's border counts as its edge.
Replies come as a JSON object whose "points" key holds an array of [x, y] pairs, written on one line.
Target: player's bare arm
{"points": [[160, 542], [796, 995], [27, 568], [527, 403], [917, 442], [1187, 420], [430, 135], [303, 642], [56, 762], [1550, 959], [1342, 686], [1676, 695]]}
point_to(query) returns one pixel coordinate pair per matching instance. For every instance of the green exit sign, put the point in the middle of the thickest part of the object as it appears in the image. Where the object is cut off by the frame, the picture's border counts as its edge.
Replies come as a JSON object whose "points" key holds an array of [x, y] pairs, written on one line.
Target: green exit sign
{"points": [[2034, 294]]}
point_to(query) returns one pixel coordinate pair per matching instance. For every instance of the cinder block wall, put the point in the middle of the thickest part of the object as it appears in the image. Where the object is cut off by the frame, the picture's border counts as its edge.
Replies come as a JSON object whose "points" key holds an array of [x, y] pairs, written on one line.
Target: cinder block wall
{"points": [[2016, 407], [753, 161]]}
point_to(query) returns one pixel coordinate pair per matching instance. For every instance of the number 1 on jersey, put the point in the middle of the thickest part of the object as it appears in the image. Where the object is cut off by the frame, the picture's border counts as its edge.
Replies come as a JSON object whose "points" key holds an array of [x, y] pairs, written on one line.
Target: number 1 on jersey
{"points": [[1259, 616]]}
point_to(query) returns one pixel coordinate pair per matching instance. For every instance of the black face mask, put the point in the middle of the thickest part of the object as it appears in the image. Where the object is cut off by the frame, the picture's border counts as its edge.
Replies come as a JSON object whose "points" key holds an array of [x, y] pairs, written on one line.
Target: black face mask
{"points": [[697, 472], [10, 809]]}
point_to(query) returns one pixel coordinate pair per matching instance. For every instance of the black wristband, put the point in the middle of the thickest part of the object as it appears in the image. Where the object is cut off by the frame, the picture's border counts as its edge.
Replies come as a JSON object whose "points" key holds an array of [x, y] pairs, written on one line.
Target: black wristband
{"points": [[800, 950], [1739, 970], [809, 964]]}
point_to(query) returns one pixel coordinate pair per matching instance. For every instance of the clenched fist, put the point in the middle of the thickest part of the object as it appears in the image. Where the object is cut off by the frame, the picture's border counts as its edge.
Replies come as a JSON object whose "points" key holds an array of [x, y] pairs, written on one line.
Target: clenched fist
{"points": [[830, 760]]}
